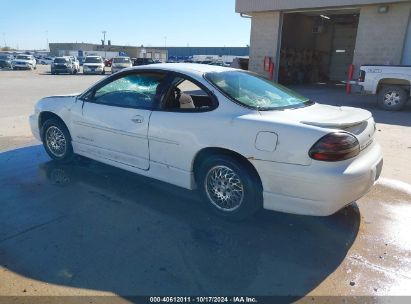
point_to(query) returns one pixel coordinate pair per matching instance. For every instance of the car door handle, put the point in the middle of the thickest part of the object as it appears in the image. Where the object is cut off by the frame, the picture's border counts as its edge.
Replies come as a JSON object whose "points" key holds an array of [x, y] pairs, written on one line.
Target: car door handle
{"points": [[137, 119]]}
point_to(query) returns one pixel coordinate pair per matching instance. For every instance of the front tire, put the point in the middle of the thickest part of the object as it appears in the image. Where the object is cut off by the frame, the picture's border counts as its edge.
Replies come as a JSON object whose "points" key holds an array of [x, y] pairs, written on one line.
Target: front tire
{"points": [[392, 98], [229, 187], [57, 141]]}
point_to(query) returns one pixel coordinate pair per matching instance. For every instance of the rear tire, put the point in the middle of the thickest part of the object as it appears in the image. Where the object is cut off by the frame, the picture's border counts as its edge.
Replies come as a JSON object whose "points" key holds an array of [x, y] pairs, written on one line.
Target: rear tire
{"points": [[57, 141], [230, 188], [392, 98]]}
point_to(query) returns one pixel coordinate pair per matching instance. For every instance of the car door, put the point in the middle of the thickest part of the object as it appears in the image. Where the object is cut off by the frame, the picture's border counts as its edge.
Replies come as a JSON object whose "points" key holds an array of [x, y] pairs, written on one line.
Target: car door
{"points": [[114, 119]]}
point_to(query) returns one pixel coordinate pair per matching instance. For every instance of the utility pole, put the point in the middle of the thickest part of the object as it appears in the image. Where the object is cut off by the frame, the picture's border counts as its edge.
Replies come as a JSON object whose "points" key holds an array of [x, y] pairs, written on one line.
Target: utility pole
{"points": [[104, 43], [47, 39]]}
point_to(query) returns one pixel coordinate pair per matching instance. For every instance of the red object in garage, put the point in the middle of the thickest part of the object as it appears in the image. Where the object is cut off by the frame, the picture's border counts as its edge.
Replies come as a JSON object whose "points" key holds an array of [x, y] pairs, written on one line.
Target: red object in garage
{"points": [[350, 74], [271, 70], [267, 63]]}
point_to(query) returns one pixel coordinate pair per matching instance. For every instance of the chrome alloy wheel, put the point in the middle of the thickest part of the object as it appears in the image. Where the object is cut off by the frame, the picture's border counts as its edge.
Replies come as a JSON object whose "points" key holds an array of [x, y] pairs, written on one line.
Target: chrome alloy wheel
{"points": [[392, 98], [56, 141], [224, 188]]}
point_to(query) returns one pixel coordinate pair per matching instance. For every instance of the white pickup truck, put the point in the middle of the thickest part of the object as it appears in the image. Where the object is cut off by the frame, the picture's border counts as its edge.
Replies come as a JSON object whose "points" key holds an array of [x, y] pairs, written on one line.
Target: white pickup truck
{"points": [[391, 83]]}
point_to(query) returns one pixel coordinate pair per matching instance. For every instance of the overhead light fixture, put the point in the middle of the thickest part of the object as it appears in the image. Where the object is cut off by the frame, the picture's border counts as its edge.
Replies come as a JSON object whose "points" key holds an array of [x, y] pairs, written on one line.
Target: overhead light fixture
{"points": [[325, 17]]}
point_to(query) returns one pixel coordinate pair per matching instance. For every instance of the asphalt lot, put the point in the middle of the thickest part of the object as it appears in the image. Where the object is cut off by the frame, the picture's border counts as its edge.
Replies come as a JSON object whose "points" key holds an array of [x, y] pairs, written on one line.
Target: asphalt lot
{"points": [[90, 229]]}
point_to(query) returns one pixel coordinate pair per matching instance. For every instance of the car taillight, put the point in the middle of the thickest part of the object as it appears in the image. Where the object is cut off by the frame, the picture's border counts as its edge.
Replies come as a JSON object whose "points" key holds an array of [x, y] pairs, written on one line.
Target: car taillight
{"points": [[361, 78], [335, 147]]}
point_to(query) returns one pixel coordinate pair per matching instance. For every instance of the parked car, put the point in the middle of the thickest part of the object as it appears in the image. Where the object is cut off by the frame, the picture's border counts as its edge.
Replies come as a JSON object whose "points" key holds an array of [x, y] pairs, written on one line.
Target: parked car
{"points": [[76, 63], [142, 61], [120, 63], [24, 62], [46, 60], [6, 61], [63, 65], [243, 141], [94, 65], [108, 62], [390, 83]]}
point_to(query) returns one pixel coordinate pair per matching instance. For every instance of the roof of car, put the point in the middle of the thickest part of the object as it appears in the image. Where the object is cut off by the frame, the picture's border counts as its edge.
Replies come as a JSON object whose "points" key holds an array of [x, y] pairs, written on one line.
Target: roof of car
{"points": [[186, 67]]}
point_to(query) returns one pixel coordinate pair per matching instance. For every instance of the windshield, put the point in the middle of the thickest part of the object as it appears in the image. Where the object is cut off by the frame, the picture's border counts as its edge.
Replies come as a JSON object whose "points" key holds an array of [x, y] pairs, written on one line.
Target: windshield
{"points": [[24, 57], [60, 60], [121, 60], [93, 60], [3, 57], [254, 91]]}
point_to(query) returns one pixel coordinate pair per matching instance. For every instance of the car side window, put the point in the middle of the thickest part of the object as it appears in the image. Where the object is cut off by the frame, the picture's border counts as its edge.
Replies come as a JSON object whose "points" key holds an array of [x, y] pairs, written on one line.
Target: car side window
{"points": [[187, 96], [133, 90]]}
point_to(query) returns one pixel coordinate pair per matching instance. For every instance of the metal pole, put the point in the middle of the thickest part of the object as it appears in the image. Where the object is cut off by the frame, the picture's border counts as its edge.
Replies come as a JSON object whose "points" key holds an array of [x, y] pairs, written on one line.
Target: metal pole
{"points": [[104, 43], [47, 40]]}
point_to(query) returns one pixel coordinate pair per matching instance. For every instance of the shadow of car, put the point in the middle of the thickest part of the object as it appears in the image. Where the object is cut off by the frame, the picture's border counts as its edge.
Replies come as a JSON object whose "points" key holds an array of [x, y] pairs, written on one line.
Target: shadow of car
{"points": [[92, 226]]}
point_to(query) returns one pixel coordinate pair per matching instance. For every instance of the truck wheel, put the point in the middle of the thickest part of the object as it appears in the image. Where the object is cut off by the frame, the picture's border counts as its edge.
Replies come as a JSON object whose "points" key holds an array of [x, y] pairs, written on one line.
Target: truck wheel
{"points": [[392, 98]]}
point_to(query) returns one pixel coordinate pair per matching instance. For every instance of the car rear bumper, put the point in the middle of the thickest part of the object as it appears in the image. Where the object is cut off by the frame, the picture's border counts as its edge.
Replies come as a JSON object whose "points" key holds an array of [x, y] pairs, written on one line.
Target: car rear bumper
{"points": [[321, 188]]}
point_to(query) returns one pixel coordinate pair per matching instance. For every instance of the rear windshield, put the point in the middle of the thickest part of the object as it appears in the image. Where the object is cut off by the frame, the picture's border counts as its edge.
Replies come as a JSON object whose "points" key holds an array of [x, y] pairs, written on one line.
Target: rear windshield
{"points": [[255, 92], [121, 60], [93, 60], [60, 60]]}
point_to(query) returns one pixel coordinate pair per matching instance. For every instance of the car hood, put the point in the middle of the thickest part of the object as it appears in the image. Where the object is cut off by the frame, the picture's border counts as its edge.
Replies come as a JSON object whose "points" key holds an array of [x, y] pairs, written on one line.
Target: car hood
{"points": [[64, 96], [22, 60], [320, 115]]}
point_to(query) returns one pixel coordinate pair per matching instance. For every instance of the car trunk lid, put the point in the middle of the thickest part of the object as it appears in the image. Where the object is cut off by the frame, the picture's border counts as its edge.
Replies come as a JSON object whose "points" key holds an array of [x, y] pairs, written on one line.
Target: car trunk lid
{"points": [[356, 121]]}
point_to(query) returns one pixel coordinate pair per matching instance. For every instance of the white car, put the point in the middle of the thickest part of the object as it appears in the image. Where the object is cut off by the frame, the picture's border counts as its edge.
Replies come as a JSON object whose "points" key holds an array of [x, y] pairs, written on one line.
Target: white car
{"points": [[75, 62], [24, 62], [243, 141], [46, 60], [94, 65], [120, 63]]}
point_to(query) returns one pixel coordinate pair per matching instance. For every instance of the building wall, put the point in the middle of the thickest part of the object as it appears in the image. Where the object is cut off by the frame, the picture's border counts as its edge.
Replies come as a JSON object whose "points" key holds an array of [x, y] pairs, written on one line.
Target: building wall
{"points": [[249, 6], [380, 37], [406, 54], [265, 39]]}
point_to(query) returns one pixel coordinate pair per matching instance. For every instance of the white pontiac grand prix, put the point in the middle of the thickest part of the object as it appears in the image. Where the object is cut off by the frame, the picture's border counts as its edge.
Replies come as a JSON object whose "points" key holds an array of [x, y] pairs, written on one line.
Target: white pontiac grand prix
{"points": [[244, 142]]}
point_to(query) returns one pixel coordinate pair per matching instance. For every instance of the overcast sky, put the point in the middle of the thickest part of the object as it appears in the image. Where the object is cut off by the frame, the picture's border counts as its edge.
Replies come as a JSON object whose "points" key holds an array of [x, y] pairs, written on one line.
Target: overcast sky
{"points": [[29, 24]]}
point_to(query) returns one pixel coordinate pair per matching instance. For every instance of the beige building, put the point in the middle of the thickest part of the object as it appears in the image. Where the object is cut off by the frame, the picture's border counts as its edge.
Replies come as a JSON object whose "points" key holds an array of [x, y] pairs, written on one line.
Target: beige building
{"points": [[317, 40]]}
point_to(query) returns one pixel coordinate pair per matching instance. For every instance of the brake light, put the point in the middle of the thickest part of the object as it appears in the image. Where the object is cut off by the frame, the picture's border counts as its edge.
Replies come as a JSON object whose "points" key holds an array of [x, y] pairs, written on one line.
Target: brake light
{"points": [[335, 147], [361, 78]]}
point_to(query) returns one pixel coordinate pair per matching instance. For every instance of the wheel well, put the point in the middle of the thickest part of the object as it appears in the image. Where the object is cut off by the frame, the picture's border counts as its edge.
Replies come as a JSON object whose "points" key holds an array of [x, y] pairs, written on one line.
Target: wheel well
{"points": [[207, 152], [405, 84], [44, 116]]}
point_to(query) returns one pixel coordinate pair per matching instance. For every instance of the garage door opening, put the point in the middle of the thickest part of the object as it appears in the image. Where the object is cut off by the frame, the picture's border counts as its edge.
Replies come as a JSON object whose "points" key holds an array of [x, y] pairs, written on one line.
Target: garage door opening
{"points": [[317, 47]]}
